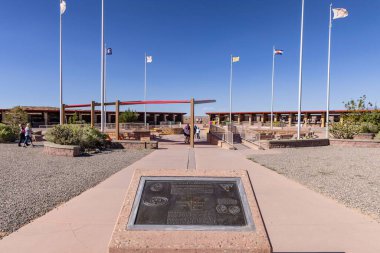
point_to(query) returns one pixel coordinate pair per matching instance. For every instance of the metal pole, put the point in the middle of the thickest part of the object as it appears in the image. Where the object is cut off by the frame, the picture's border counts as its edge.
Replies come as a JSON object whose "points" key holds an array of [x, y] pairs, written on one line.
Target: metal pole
{"points": [[231, 103], [61, 120], [328, 78], [145, 91], [300, 75], [271, 108], [105, 83], [102, 72]]}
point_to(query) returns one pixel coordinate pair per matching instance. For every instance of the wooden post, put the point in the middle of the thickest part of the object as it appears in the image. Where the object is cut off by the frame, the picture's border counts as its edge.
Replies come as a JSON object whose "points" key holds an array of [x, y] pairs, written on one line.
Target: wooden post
{"points": [[92, 114], [192, 123], [323, 120], [63, 114], [117, 129]]}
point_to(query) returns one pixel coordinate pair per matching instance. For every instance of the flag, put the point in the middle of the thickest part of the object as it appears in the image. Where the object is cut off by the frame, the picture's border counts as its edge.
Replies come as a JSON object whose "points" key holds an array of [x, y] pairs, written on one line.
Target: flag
{"points": [[340, 13], [235, 58], [278, 52], [63, 6], [149, 59], [109, 51]]}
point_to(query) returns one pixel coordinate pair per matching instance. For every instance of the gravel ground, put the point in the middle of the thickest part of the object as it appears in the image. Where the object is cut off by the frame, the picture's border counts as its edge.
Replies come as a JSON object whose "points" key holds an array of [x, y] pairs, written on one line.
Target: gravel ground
{"points": [[349, 175], [32, 183]]}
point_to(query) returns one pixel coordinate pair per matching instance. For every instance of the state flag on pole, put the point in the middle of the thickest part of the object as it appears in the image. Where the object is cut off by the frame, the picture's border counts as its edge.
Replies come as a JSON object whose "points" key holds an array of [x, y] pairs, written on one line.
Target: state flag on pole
{"points": [[149, 59], [278, 52], [340, 13], [62, 6], [109, 51], [235, 58]]}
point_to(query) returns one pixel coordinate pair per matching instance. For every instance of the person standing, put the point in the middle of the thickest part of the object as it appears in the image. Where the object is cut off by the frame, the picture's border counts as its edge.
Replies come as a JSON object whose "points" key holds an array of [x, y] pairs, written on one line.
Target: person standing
{"points": [[28, 136], [21, 134], [198, 132]]}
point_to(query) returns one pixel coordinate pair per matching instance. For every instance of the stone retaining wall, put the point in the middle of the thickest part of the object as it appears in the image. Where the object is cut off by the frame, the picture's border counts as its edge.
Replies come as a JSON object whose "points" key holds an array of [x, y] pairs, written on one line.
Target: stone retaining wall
{"points": [[132, 144], [355, 143], [295, 143], [61, 150]]}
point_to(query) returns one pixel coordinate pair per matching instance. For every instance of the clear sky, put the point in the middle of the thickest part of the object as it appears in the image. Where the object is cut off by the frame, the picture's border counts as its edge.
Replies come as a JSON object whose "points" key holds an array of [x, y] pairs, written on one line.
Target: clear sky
{"points": [[191, 42]]}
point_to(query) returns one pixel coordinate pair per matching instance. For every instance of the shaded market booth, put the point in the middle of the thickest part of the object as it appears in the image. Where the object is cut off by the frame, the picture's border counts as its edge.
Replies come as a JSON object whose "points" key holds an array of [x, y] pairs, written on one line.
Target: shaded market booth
{"points": [[119, 103]]}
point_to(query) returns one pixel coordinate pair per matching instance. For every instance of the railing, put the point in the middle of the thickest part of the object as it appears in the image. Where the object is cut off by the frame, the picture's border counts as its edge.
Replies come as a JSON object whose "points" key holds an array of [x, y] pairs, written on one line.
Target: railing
{"points": [[225, 133]]}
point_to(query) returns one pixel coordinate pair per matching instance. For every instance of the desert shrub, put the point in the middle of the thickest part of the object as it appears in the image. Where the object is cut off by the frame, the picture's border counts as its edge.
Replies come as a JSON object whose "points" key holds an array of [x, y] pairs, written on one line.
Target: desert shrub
{"points": [[91, 138], [367, 127], [86, 137], [344, 130], [16, 116], [128, 116], [7, 133]]}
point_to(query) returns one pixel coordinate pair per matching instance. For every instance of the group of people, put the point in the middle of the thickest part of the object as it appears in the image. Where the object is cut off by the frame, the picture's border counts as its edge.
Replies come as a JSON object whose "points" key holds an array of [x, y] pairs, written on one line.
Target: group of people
{"points": [[25, 135], [186, 132]]}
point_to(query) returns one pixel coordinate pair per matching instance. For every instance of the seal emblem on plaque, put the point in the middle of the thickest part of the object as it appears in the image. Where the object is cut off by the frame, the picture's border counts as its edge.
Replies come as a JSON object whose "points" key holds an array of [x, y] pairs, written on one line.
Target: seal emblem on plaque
{"points": [[234, 210], [221, 209], [227, 187], [157, 187], [156, 201]]}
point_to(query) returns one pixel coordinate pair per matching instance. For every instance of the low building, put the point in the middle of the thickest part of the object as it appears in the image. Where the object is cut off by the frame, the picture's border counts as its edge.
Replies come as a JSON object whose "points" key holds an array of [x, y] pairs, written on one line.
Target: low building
{"points": [[42, 116], [289, 118]]}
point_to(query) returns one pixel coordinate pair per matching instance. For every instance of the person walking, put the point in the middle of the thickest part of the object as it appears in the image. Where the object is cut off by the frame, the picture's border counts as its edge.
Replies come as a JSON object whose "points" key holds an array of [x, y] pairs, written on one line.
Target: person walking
{"points": [[28, 136], [21, 136], [186, 132], [198, 132]]}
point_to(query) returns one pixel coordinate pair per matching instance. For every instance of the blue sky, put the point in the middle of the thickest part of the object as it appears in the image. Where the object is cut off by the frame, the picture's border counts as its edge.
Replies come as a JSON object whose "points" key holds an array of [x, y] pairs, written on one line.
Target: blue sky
{"points": [[191, 42]]}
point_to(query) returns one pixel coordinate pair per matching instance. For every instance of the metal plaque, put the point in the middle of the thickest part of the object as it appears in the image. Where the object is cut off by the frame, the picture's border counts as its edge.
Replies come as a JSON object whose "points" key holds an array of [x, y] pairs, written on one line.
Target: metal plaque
{"points": [[190, 203]]}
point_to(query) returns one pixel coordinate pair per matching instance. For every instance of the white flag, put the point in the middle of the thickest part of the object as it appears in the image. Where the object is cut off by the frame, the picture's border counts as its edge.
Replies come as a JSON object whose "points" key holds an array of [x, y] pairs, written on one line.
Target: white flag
{"points": [[340, 13], [149, 59], [63, 6]]}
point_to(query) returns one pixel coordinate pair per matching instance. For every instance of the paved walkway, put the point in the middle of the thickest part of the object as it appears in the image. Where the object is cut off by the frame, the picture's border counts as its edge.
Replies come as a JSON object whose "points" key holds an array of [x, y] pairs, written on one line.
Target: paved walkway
{"points": [[297, 219]]}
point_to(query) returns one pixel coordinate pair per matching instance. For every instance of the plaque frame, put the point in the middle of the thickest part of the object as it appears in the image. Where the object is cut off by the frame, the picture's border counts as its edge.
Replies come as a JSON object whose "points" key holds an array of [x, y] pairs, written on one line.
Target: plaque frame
{"points": [[250, 226]]}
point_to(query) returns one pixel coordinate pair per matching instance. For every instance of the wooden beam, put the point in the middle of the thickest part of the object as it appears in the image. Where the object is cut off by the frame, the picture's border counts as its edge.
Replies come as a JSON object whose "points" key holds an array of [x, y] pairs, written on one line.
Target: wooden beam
{"points": [[92, 114], [117, 129], [63, 113], [192, 123]]}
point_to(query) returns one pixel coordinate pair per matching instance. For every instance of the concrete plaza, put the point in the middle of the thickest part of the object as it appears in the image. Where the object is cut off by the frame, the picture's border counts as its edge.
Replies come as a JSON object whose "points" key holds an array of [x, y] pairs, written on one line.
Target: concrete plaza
{"points": [[297, 219]]}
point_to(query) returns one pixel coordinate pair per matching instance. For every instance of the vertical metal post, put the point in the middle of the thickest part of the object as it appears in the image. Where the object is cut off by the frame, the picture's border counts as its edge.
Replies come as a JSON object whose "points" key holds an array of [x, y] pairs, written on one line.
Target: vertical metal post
{"points": [[102, 72], [192, 123], [300, 75], [61, 118], [231, 120], [117, 129], [145, 91], [105, 83], [271, 107], [328, 78]]}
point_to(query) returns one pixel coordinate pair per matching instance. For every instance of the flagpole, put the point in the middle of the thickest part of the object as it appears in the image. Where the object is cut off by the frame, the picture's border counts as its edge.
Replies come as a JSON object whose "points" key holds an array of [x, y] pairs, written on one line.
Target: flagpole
{"points": [[271, 109], [231, 121], [328, 77], [300, 75], [102, 72], [145, 91], [61, 121], [105, 83]]}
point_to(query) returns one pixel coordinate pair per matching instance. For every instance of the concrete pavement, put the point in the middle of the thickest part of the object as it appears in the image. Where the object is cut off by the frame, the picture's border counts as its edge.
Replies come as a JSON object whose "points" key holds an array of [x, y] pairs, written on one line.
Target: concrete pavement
{"points": [[297, 219]]}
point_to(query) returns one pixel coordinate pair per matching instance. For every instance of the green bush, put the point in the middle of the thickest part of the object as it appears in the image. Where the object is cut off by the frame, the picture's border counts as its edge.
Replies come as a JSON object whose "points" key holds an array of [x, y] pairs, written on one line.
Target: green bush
{"points": [[367, 127], [7, 133], [85, 137], [377, 136], [345, 130]]}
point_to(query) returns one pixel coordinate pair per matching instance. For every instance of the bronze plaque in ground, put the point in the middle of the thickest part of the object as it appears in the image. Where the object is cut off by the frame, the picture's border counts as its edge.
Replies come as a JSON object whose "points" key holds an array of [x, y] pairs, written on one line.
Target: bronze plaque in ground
{"points": [[210, 211], [203, 203]]}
